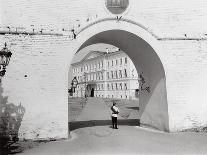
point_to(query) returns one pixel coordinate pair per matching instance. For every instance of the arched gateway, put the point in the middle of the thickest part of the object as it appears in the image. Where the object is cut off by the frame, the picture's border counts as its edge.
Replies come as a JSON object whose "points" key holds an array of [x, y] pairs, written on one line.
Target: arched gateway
{"points": [[145, 52]]}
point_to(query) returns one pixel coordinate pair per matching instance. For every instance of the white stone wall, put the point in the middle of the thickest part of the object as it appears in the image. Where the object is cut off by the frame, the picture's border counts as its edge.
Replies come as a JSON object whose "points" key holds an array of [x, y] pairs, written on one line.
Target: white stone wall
{"points": [[186, 82], [179, 25], [37, 78]]}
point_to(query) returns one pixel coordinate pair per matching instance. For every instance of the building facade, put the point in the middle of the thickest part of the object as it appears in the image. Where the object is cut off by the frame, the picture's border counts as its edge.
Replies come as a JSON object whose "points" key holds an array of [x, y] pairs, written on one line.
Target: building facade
{"points": [[106, 75]]}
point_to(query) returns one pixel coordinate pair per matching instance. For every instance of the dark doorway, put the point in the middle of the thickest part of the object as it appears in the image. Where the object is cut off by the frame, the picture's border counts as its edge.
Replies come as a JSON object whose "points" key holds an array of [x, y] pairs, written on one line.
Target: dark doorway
{"points": [[92, 92]]}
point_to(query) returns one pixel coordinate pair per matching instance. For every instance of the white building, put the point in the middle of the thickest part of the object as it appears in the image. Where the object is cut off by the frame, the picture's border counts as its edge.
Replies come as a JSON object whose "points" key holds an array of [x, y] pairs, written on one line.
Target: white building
{"points": [[106, 75]]}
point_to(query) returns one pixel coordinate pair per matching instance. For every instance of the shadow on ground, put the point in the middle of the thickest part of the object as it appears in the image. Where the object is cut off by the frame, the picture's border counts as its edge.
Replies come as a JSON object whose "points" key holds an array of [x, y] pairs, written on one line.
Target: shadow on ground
{"points": [[133, 108], [83, 124]]}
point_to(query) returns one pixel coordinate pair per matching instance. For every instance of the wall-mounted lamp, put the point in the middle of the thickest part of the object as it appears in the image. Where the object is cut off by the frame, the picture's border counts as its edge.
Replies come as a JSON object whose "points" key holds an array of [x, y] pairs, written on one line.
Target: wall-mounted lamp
{"points": [[5, 56]]}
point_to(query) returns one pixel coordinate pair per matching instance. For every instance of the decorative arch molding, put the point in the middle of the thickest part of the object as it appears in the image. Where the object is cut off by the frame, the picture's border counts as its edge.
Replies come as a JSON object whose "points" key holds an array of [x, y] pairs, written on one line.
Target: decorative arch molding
{"points": [[118, 19]]}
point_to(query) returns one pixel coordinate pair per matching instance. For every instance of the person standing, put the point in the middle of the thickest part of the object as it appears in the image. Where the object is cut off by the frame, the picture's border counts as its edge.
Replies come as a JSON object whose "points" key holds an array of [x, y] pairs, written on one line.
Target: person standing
{"points": [[114, 115]]}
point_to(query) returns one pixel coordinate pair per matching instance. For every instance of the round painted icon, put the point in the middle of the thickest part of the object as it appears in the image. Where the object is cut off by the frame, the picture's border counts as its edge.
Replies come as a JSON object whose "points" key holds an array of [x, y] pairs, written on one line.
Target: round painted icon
{"points": [[117, 6]]}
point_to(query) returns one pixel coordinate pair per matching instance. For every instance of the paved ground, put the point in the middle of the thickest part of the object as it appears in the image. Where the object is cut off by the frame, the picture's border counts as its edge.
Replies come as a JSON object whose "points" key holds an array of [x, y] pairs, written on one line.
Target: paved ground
{"points": [[100, 138]]}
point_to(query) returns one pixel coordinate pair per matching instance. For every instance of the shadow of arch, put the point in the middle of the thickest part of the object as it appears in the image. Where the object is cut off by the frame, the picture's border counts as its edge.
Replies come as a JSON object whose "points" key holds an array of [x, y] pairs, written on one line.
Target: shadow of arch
{"points": [[82, 124], [153, 104]]}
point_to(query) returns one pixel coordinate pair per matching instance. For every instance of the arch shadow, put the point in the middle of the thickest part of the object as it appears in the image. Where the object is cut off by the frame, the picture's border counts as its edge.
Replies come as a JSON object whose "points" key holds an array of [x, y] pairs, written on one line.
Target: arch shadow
{"points": [[83, 124]]}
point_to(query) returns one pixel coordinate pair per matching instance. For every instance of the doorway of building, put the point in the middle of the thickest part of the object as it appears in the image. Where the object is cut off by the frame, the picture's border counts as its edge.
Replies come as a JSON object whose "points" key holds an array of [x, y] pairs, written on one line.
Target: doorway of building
{"points": [[92, 92]]}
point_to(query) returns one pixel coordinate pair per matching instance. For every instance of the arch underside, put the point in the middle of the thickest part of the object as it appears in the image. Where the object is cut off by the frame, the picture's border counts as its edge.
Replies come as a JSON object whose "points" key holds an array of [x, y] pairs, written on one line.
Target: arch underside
{"points": [[153, 104]]}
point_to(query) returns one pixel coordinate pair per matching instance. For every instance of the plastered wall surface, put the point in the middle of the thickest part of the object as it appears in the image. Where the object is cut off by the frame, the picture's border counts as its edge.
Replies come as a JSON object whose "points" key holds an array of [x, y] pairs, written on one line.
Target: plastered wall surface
{"points": [[37, 73], [186, 84], [37, 78]]}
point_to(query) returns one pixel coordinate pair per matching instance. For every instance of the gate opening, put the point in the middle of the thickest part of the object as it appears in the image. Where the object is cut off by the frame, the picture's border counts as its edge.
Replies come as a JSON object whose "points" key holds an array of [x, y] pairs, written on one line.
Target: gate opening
{"points": [[153, 107]]}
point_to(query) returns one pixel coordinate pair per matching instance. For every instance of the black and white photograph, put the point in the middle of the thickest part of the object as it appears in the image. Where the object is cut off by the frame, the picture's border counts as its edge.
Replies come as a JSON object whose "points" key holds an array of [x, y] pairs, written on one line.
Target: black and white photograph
{"points": [[103, 77]]}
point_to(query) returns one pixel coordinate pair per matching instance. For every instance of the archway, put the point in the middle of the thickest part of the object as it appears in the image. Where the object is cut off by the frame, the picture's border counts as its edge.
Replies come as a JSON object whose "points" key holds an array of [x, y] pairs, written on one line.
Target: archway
{"points": [[139, 46]]}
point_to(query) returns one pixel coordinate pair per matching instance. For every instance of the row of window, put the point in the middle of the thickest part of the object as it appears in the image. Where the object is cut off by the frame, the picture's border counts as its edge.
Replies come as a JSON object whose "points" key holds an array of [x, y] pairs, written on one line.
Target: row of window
{"points": [[117, 86], [98, 65], [91, 77], [112, 86], [112, 96], [88, 67], [117, 74], [116, 62], [99, 76]]}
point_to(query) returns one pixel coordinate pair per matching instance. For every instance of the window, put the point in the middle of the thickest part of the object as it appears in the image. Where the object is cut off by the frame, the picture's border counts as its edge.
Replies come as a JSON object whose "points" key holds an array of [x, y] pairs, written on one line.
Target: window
{"points": [[116, 62], [116, 86], [112, 76], [108, 86], [120, 61], [120, 86], [120, 73], [108, 63], [108, 75], [101, 63], [125, 72], [116, 74], [95, 65], [112, 86], [102, 87], [126, 60], [112, 63], [125, 86], [97, 76], [90, 77], [101, 76]]}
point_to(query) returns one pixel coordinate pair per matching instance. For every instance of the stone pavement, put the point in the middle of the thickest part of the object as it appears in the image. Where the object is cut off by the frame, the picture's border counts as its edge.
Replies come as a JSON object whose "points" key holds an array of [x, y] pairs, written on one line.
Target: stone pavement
{"points": [[95, 109], [102, 140], [98, 113], [95, 138]]}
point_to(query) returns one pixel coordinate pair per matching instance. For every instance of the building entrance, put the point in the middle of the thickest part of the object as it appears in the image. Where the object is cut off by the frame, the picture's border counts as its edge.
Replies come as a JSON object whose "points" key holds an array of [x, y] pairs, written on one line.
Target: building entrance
{"points": [[90, 90]]}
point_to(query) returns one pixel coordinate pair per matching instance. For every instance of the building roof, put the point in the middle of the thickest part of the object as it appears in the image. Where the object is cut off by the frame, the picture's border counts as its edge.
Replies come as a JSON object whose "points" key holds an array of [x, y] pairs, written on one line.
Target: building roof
{"points": [[100, 47], [90, 55], [94, 54]]}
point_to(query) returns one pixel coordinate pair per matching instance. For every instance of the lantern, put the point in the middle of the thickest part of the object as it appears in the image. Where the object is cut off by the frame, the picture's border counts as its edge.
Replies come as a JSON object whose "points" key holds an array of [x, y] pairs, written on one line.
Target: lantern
{"points": [[5, 56]]}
